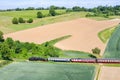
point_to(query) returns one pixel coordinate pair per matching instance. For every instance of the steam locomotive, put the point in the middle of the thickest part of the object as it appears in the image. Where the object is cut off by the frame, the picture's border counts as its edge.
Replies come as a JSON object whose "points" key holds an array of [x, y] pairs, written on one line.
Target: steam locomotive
{"points": [[77, 60]]}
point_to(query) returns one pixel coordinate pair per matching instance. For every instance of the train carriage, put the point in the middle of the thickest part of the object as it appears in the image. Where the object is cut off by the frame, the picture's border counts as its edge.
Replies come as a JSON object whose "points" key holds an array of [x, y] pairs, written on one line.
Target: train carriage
{"points": [[81, 60], [59, 59], [108, 60]]}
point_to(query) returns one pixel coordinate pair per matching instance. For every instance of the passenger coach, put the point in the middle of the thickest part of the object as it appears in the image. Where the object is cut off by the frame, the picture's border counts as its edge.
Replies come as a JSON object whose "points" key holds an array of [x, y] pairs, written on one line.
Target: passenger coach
{"points": [[81, 60], [108, 60], [59, 59]]}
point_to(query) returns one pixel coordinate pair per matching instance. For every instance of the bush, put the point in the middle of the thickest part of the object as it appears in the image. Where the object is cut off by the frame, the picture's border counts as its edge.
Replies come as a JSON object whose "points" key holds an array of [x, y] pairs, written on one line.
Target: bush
{"points": [[52, 11], [21, 20], [39, 15], [30, 20], [96, 51], [15, 21]]}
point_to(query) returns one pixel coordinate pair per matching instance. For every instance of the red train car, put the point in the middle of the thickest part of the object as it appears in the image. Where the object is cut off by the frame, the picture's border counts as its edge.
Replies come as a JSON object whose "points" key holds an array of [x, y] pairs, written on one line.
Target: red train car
{"points": [[80, 60]]}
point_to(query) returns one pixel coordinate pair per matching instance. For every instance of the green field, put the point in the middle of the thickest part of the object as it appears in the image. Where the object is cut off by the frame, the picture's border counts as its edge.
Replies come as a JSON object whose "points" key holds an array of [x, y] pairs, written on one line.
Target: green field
{"points": [[47, 71], [113, 47], [75, 54], [28, 13]]}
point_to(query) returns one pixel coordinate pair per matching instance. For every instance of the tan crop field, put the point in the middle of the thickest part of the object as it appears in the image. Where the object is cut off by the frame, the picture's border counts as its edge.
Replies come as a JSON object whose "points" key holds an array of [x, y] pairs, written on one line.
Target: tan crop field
{"points": [[109, 73], [84, 34]]}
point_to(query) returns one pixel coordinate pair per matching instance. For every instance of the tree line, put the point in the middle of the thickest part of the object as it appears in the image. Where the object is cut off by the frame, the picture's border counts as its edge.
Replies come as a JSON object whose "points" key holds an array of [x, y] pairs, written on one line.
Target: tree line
{"points": [[33, 8], [10, 49], [101, 9]]}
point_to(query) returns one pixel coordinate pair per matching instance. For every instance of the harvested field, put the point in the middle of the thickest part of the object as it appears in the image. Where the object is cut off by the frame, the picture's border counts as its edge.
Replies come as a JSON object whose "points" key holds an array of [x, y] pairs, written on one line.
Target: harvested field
{"points": [[84, 34], [109, 73]]}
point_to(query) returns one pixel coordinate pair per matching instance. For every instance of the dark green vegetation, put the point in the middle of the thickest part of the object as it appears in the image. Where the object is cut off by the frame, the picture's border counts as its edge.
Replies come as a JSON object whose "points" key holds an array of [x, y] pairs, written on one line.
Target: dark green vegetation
{"points": [[96, 51], [21, 20], [39, 14], [106, 34], [47, 71], [104, 11], [11, 50], [113, 46], [30, 20], [15, 21], [52, 11]]}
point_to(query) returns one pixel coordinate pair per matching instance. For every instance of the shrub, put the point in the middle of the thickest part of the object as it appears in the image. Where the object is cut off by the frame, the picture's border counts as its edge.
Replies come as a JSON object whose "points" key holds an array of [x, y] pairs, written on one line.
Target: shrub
{"points": [[30, 20], [21, 20], [52, 11], [39, 15], [96, 51], [15, 21]]}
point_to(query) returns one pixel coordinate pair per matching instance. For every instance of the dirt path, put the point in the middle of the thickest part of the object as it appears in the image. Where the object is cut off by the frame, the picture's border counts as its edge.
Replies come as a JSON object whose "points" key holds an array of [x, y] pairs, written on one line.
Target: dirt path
{"points": [[109, 73], [84, 34]]}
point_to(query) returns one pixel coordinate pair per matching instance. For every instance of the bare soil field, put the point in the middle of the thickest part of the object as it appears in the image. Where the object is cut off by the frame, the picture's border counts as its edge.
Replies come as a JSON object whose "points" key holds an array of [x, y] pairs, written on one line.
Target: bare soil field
{"points": [[109, 73], [84, 34]]}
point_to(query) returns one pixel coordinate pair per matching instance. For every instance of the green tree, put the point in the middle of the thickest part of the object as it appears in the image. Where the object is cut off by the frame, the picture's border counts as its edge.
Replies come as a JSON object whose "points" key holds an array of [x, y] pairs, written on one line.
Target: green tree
{"points": [[76, 8], [30, 20], [21, 20], [96, 51], [1, 36], [52, 11], [39, 15], [15, 21], [10, 42], [5, 52]]}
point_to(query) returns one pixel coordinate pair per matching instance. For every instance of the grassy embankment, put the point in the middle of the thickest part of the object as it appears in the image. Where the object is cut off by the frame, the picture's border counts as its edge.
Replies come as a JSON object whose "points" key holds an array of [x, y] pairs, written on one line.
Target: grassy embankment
{"points": [[106, 34]]}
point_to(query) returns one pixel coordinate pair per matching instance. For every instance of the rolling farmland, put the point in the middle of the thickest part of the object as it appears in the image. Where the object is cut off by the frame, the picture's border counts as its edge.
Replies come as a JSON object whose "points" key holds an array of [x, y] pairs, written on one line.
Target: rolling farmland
{"points": [[47, 71], [84, 36]]}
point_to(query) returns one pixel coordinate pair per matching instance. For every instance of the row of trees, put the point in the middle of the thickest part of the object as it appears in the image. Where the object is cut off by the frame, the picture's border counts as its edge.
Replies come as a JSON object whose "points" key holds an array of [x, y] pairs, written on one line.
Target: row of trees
{"points": [[21, 20], [99, 9], [104, 11]]}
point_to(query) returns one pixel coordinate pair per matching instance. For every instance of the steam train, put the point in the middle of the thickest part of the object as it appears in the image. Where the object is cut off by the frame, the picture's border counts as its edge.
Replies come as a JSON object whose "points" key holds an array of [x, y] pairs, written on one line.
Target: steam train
{"points": [[77, 60]]}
